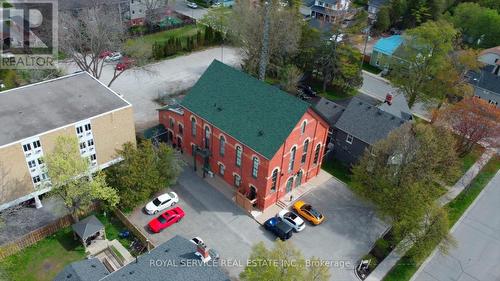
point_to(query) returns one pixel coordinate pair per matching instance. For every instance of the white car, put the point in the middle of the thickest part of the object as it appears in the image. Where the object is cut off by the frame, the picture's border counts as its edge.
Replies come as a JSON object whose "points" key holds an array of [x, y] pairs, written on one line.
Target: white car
{"points": [[197, 240], [161, 202], [114, 57], [217, 5], [292, 219], [192, 5]]}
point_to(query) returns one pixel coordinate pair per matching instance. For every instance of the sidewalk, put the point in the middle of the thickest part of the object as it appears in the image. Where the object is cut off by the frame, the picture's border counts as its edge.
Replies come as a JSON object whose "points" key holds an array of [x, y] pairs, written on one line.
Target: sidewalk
{"points": [[390, 261]]}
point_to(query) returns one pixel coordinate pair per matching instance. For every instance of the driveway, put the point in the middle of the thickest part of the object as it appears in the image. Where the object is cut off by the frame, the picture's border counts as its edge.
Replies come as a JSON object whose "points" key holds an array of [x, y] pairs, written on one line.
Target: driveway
{"points": [[142, 86], [347, 234], [477, 254]]}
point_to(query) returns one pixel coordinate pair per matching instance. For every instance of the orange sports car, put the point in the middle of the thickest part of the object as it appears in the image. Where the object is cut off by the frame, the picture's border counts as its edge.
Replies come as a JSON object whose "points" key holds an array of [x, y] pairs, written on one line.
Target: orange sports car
{"points": [[308, 212]]}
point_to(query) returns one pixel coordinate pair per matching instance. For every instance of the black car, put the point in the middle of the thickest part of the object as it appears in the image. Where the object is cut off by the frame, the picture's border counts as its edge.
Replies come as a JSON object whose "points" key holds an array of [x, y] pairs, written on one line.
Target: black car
{"points": [[279, 228], [307, 90]]}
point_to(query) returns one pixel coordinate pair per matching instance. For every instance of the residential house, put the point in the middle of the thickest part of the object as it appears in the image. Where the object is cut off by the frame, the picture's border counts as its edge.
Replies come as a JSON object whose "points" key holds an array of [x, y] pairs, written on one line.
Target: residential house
{"points": [[374, 6], [32, 118], [360, 124], [384, 50], [118, 7], [486, 81], [174, 260], [329, 10], [255, 137]]}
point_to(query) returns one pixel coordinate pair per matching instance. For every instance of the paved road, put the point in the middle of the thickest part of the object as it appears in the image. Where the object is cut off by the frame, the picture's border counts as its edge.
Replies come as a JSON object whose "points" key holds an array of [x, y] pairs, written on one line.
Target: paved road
{"points": [[181, 7], [477, 255], [141, 86], [350, 229], [378, 87]]}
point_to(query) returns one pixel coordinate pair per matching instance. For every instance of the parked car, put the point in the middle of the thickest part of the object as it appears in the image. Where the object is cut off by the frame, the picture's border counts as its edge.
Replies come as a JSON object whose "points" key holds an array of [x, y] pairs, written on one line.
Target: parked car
{"points": [[125, 63], [105, 54], [116, 56], [279, 228], [304, 97], [217, 5], [307, 90], [161, 202], [308, 212], [166, 219], [192, 5], [197, 240], [292, 219]]}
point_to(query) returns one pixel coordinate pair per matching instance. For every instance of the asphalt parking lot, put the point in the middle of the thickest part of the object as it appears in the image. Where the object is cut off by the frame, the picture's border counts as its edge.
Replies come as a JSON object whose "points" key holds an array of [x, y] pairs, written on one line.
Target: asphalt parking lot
{"points": [[351, 227]]}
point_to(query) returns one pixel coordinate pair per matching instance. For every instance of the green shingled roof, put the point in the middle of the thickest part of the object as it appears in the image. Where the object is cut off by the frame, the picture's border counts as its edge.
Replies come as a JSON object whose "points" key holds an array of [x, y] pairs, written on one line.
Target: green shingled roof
{"points": [[259, 115]]}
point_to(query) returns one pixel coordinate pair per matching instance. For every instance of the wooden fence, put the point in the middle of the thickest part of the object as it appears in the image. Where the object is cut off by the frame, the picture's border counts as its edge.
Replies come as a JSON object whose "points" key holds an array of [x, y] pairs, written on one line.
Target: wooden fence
{"points": [[137, 233], [39, 234]]}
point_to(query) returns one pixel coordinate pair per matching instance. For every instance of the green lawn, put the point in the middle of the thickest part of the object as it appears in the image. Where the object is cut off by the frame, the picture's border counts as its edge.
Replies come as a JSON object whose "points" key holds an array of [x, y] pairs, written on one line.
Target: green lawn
{"points": [[338, 170], [113, 227], [142, 46], [330, 93], [466, 162], [45, 259], [406, 267]]}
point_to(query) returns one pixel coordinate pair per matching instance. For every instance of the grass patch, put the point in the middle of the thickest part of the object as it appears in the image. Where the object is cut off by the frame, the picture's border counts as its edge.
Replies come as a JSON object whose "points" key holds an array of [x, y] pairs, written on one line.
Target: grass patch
{"points": [[406, 267], [45, 259], [370, 68], [113, 228], [142, 46], [330, 93], [466, 162], [338, 170]]}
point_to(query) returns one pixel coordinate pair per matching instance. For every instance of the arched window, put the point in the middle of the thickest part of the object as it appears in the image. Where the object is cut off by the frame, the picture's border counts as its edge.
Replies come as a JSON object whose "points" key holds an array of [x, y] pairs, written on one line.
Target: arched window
{"points": [[303, 129], [172, 123], [289, 184], [255, 166], [274, 180], [207, 137], [222, 145], [238, 156], [304, 152], [292, 158], [316, 153], [193, 127], [298, 179]]}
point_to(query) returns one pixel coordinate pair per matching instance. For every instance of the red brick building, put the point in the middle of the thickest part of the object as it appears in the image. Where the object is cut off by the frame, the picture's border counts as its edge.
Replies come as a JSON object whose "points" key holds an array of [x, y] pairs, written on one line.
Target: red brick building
{"points": [[259, 139]]}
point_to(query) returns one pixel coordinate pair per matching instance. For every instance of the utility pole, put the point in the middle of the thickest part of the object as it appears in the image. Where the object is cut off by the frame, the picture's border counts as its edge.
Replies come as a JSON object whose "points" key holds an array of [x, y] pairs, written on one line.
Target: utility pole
{"points": [[264, 54], [366, 42]]}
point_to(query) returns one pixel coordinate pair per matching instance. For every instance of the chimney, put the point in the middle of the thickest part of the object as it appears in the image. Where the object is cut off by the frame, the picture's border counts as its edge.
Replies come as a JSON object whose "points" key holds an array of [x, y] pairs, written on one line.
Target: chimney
{"points": [[388, 99], [202, 250]]}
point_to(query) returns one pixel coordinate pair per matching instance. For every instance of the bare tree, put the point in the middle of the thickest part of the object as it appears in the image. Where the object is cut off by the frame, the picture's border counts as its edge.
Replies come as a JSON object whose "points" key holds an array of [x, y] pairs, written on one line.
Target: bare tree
{"points": [[152, 10], [86, 35]]}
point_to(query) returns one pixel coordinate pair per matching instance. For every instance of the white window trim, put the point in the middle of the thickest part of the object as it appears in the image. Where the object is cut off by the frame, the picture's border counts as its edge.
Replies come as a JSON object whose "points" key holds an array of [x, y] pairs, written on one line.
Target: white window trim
{"points": [[349, 137]]}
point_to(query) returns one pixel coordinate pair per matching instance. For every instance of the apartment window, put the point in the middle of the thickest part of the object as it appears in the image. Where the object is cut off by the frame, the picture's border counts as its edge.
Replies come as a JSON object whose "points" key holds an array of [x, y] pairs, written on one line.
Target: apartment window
{"points": [[349, 139], [304, 152], [181, 130], [316, 154], [40, 161], [27, 147], [45, 176], [172, 123], [79, 130], [237, 180], [32, 164], [36, 144], [193, 149], [274, 180], [90, 142], [87, 127], [193, 127], [92, 157], [303, 129], [255, 166], [222, 145], [36, 179], [82, 145], [238, 156], [221, 169], [292, 158]]}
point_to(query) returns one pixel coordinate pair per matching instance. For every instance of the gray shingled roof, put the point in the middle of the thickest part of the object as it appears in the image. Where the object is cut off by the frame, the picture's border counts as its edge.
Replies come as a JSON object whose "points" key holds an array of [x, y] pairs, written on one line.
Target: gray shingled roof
{"points": [[366, 122], [41, 107], [329, 110], [85, 270], [87, 227], [486, 79], [398, 108]]}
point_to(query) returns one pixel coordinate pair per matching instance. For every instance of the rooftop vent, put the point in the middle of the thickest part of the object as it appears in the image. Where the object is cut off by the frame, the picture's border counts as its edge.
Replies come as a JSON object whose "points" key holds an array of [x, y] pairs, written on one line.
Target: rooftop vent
{"points": [[260, 133], [93, 265], [131, 272], [360, 103], [219, 109]]}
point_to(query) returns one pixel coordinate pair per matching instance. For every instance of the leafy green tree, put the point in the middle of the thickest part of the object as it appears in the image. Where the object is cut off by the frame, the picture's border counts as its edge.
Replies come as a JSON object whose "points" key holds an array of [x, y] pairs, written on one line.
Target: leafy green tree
{"points": [[310, 40], [289, 78], [479, 25], [401, 175], [284, 262], [422, 55], [383, 19], [144, 171], [72, 178]]}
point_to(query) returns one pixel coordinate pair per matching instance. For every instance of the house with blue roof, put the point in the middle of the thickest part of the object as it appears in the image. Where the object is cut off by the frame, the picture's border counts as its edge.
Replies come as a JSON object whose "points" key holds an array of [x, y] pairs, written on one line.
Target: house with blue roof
{"points": [[384, 50]]}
